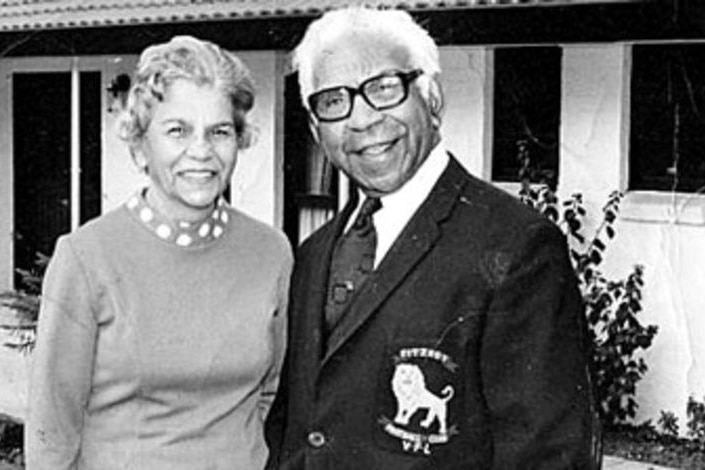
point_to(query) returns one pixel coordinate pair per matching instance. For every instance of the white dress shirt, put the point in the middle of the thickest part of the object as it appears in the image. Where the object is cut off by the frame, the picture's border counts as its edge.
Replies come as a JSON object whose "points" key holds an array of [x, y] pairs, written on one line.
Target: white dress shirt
{"points": [[399, 206]]}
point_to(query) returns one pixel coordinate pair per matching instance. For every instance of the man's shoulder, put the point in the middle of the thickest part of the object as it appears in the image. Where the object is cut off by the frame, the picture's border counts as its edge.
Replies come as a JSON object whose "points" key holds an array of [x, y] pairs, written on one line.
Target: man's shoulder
{"points": [[314, 240], [485, 200]]}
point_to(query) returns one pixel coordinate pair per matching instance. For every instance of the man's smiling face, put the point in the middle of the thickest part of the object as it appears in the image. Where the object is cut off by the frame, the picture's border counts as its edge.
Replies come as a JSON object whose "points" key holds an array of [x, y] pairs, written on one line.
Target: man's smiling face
{"points": [[379, 150]]}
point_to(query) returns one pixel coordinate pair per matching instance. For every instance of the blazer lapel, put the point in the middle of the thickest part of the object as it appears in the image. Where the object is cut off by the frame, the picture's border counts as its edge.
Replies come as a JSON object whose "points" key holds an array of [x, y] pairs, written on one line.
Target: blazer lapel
{"points": [[415, 241], [314, 284]]}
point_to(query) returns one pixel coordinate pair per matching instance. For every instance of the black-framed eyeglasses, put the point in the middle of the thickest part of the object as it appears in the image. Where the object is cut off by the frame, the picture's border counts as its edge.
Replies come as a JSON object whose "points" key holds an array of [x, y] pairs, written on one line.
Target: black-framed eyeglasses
{"points": [[381, 92]]}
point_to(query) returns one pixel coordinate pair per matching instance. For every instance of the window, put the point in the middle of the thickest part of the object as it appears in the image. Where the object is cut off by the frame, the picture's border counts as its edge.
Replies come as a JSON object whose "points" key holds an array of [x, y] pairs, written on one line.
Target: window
{"points": [[310, 181], [667, 118], [527, 107], [42, 159]]}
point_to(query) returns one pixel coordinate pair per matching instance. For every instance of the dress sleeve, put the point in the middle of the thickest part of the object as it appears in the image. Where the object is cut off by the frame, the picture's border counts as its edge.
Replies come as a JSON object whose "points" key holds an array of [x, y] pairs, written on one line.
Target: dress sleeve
{"points": [[535, 360], [62, 365], [279, 337]]}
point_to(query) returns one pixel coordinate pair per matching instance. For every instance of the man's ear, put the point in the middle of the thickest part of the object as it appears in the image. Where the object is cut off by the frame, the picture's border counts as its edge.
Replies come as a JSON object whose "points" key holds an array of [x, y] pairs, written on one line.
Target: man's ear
{"points": [[436, 103]]}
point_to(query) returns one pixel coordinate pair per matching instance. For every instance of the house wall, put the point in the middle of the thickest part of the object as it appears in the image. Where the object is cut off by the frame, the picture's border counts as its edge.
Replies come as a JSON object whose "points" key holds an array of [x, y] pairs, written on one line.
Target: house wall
{"points": [[5, 183], [257, 185], [467, 119], [661, 231]]}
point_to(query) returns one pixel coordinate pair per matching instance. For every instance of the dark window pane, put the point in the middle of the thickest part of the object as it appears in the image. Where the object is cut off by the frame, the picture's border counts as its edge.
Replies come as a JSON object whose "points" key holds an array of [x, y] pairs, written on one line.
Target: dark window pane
{"points": [[309, 179], [527, 107], [90, 122], [667, 118], [41, 137]]}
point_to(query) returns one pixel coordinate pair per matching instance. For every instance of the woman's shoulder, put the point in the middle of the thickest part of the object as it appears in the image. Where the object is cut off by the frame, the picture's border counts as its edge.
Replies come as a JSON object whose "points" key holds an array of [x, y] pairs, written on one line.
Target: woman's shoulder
{"points": [[99, 230], [87, 245], [259, 233], [108, 221]]}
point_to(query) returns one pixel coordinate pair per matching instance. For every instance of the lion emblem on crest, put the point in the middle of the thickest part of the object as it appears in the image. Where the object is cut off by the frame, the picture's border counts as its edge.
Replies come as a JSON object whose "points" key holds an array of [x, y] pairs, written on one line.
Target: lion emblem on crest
{"points": [[409, 387]]}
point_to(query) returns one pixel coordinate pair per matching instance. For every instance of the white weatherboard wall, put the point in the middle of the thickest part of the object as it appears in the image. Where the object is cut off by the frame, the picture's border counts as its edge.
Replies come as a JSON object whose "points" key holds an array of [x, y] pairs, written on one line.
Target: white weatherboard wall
{"points": [[673, 256], [650, 231], [257, 185], [5, 182], [467, 119], [13, 374], [120, 176]]}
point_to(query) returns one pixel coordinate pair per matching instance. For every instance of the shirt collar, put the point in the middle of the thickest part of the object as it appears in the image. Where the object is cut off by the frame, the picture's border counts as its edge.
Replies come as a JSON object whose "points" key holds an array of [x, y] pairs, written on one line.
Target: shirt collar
{"points": [[399, 206], [404, 202]]}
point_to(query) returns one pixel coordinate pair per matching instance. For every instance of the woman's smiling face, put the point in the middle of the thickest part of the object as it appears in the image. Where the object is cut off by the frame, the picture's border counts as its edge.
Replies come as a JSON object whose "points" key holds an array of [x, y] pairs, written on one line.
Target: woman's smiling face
{"points": [[189, 150]]}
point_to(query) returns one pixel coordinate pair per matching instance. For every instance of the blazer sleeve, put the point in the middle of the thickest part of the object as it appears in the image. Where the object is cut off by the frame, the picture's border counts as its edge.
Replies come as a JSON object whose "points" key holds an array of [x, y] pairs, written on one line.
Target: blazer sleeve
{"points": [[278, 333], [276, 418], [276, 422], [535, 359], [62, 365]]}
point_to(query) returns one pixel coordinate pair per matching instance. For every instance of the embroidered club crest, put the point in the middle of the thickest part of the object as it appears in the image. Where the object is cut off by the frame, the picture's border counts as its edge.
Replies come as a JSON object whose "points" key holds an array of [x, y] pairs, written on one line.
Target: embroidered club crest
{"points": [[421, 416]]}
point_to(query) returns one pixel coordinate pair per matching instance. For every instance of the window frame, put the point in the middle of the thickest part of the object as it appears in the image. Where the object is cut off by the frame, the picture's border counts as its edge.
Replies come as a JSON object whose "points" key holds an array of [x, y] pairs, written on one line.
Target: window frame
{"points": [[8, 67]]}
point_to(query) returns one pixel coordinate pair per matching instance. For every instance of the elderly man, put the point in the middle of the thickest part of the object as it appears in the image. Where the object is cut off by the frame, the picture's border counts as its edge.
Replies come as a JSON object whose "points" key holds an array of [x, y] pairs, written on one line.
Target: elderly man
{"points": [[435, 322]]}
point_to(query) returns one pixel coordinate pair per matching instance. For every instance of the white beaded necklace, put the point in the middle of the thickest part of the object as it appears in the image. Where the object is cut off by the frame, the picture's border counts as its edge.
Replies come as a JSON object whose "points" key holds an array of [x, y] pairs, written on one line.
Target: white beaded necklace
{"points": [[182, 233]]}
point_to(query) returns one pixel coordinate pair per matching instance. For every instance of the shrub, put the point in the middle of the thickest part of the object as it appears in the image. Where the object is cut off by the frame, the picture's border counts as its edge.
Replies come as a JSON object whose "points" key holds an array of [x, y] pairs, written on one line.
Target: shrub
{"points": [[611, 306], [668, 424], [24, 301], [696, 421], [11, 456]]}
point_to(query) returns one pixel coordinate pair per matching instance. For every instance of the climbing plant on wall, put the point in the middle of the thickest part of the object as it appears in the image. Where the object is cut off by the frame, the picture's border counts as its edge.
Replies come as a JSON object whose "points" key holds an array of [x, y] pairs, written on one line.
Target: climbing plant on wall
{"points": [[612, 306]]}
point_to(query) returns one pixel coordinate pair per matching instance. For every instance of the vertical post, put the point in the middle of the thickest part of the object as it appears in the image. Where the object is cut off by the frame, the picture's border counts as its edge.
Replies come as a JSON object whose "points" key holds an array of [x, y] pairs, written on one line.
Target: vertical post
{"points": [[343, 189], [75, 202]]}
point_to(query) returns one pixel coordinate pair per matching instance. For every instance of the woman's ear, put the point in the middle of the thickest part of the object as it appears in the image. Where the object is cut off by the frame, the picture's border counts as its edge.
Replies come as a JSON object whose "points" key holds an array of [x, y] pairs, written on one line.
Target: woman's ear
{"points": [[139, 159]]}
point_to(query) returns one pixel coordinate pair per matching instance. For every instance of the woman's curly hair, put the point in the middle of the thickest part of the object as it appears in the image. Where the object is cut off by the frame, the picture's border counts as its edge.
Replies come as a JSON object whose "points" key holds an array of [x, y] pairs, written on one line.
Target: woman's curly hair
{"points": [[188, 58]]}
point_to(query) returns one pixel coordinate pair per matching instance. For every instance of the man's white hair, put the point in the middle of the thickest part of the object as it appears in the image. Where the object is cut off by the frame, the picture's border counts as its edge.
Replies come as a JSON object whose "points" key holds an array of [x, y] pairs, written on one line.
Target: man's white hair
{"points": [[395, 26]]}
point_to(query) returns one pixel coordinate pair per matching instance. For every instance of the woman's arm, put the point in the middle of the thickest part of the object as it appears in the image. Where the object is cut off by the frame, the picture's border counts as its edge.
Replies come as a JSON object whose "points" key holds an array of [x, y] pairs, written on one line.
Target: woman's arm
{"points": [[62, 365]]}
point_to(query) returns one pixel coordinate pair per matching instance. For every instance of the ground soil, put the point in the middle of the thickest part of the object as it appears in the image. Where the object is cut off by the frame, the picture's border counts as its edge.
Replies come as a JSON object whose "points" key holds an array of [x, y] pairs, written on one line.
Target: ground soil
{"points": [[668, 452], [632, 445]]}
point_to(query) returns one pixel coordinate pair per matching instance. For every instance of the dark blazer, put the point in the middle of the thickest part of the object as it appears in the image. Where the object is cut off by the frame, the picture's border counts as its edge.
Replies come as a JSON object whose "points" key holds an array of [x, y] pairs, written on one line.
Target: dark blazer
{"points": [[465, 349]]}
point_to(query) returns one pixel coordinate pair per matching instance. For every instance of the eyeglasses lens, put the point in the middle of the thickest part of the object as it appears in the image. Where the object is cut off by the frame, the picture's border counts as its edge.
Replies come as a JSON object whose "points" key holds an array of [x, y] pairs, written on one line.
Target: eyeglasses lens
{"points": [[382, 92], [332, 104]]}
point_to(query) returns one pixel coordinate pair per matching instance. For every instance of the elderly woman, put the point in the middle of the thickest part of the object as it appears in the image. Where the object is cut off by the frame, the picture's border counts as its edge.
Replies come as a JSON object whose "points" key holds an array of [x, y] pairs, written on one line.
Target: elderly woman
{"points": [[162, 324]]}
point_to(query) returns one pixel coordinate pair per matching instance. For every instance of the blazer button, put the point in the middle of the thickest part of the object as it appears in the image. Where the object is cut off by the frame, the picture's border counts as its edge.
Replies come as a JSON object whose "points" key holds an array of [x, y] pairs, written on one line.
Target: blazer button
{"points": [[316, 439]]}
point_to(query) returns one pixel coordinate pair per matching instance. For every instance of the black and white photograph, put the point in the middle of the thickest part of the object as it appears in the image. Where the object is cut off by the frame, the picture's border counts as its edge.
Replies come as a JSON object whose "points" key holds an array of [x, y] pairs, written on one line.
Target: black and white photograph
{"points": [[352, 234]]}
